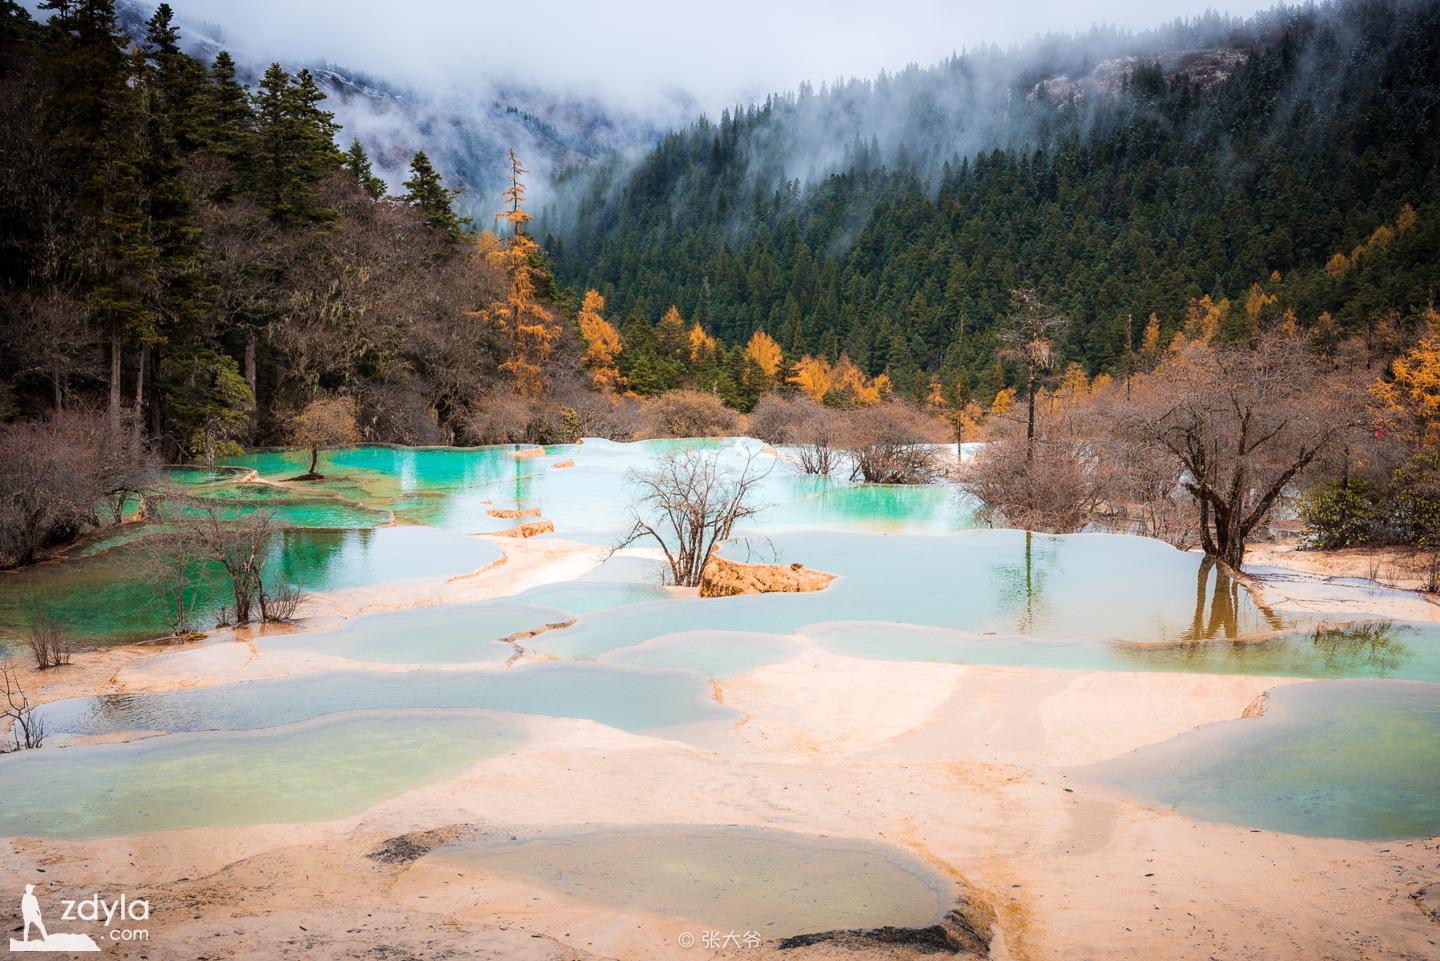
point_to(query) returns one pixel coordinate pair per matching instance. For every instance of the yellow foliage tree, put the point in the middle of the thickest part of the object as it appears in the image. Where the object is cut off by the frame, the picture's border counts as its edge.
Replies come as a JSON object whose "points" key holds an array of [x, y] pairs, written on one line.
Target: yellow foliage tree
{"points": [[1258, 306], [602, 342], [1150, 341], [817, 378], [1412, 397], [968, 419], [813, 376], [765, 351], [1204, 317], [847, 379], [935, 399], [671, 334], [1074, 385], [702, 345], [1407, 218], [1004, 402], [1337, 265], [520, 315]]}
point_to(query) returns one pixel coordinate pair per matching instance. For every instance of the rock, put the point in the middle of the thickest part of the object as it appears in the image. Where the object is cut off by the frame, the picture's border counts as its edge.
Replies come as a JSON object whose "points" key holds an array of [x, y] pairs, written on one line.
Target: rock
{"points": [[528, 452], [407, 848], [965, 930], [529, 529], [506, 513], [722, 578], [563, 464], [1427, 899]]}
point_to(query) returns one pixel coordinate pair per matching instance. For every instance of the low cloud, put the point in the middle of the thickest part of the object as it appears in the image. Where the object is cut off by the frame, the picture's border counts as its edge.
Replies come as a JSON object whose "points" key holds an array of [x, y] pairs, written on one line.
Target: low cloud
{"points": [[643, 54]]}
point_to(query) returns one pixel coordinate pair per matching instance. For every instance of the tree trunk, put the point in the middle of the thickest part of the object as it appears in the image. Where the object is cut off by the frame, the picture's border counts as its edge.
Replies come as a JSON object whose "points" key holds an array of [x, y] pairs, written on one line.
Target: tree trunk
{"points": [[252, 380], [115, 372], [139, 395], [314, 459], [250, 363], [1030, 422], [55, 386], [155, 409]]}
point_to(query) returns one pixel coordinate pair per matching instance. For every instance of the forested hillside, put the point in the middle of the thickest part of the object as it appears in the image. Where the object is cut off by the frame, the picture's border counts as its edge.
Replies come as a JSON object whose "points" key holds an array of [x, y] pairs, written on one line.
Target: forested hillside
{"points": [[1284, 164], [199, 259]]}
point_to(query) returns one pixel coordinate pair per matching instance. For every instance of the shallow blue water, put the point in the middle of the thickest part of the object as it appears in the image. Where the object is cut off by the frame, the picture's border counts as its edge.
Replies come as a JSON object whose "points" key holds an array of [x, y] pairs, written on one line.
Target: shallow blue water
{"points": [[631, 700], [1350, 759], [451, 634], [312, 771]]}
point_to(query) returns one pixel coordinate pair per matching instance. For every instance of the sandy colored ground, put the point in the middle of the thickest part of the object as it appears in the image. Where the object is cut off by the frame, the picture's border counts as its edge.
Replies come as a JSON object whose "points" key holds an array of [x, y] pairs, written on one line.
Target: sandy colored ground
{"points": [[1384, 581], [1361, 582], [966, 766]]}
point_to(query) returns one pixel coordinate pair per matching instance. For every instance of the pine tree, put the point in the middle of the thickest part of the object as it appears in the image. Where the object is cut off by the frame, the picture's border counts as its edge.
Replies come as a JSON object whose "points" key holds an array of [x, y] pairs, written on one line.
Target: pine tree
{"points": [[426, 193], [359, 166], [97, 120], [178, 81], [226, 117], [295, 146]]}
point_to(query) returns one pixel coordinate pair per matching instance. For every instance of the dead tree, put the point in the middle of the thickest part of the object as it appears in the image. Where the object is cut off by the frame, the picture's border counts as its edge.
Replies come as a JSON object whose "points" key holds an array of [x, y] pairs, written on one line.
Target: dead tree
{"points": [[27, 726], [689, 502]]}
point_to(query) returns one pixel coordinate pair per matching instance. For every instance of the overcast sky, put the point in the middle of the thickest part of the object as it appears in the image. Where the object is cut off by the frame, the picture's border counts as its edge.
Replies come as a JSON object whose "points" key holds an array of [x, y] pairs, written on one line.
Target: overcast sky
{"points": [[632, 50]]}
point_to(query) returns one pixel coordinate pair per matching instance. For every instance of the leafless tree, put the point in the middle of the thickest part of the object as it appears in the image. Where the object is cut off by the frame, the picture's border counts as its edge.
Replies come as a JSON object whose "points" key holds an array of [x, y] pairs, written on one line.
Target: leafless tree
{"points": [[1243, 423], [241, 546], [48, 643], [48, 339], [689, 503], [174, 560], [27, 725], [814, 432], [893, 443]]}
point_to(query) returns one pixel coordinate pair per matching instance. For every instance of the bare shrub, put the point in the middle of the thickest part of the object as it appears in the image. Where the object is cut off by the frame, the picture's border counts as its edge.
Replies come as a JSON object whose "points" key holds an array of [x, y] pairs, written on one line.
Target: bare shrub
{"points": [[606, 415], [893, 443], [400, 414], [27, 726], [688, 413], [240, 546], [1048, 484], [1430, 572], [688, 504], [813, 431], [48, 643], [508, 418], [54, 474], [281, 603]]}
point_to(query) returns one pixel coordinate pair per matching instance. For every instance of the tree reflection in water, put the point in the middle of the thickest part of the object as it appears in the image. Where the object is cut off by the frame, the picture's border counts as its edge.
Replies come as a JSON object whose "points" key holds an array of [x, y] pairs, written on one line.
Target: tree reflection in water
{"points": [[1374, 647]]}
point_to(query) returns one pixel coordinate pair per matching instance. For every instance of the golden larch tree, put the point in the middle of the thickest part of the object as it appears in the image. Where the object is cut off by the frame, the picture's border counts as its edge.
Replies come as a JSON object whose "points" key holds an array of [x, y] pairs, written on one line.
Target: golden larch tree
{"points": [[702, 345], [519, 315], [813, 376], [765, 351], [602, 342], [672, 339], [1411, 399]]}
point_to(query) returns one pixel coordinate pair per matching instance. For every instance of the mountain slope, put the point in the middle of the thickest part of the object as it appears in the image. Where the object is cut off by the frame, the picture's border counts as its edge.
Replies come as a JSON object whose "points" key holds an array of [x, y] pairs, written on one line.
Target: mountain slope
{"points": [[466, 131], [1118, 175]]}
